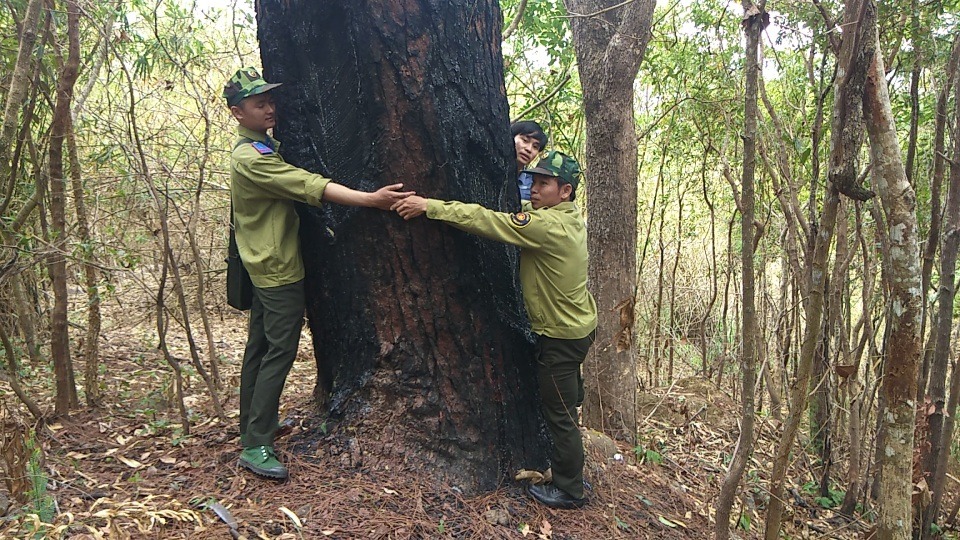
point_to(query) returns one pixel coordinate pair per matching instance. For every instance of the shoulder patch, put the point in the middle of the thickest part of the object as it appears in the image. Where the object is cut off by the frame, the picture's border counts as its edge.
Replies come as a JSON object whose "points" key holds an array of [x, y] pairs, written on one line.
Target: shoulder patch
{"points": [[520, 219], [262, 148]]}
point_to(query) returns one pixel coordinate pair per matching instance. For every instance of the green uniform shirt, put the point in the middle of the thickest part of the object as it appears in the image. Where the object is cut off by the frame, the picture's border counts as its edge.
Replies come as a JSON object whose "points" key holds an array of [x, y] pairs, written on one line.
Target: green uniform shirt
{"points": [[553, 260], [263, 188]]}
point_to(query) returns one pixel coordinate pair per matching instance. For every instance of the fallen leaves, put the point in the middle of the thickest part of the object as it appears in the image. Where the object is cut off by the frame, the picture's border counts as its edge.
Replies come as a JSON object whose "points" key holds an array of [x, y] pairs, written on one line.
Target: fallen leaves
{"points": [[293, 516]]}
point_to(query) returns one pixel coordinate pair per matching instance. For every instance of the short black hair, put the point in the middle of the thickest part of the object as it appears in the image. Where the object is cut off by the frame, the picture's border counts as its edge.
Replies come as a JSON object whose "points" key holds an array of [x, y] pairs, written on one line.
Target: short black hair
{"points": [[531, 129]]}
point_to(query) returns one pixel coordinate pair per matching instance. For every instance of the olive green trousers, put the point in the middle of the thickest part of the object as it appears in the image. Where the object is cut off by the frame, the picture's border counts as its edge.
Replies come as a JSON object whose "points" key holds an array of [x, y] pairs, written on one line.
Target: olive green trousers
{"points": [[276, 318], [561, 392]]}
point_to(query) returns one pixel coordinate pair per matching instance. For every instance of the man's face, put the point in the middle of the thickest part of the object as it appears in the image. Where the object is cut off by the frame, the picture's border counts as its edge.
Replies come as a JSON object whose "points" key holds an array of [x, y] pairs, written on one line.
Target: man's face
{"points": [[546, 191], [527, 149], [257, 113]]}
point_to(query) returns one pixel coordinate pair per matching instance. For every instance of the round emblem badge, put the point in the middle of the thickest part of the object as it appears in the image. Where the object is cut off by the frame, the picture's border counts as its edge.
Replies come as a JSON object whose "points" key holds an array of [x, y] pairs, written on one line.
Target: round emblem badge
{"points": [[520, 219]]}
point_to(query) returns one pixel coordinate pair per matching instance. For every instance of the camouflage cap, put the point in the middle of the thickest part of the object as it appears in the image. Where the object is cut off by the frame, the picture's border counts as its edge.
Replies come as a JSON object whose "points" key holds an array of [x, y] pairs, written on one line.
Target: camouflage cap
{"points": [[559, 165], [245, 82]]}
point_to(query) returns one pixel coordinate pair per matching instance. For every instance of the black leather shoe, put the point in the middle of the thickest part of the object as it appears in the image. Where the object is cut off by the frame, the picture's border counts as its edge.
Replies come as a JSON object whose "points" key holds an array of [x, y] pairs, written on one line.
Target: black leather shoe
{"points": [[554, 497]]}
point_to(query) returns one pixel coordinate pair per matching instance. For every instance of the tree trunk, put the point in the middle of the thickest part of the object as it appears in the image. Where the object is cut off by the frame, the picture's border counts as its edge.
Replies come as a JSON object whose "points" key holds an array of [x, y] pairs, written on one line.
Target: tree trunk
{"points": [[9, 375], [658, 339], [903, 355], [853, 387], [936, 183], [938, 438], [91, 345], [610, 44], [754, 21], [672, 328], [417, 326], [714, 288], [57, 262], [18, 87], [847, 136]]}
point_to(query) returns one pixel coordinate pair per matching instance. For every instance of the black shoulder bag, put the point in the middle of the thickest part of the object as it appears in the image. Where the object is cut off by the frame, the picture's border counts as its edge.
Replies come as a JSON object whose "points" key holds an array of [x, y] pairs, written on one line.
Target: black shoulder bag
{"points": [[239, 285]]}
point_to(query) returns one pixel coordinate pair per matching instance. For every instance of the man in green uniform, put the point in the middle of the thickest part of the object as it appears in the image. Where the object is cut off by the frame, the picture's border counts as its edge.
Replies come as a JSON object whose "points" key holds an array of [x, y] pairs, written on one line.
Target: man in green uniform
{"points": [[264, 190], [563, 315]]}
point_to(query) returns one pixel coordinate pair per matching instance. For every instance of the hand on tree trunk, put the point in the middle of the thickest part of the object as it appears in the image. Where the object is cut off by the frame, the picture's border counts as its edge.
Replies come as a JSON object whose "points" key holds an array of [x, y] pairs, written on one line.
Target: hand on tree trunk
{"points": [[387, 196], [382, 198], [410, 207]]}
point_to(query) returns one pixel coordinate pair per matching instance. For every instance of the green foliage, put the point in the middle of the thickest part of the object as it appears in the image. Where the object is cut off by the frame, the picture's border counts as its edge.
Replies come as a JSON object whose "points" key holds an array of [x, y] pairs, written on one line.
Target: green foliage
{"points": [[832, 500], [41, 503], [650, 453], [743, 522], [646, 455], [538, 59]]}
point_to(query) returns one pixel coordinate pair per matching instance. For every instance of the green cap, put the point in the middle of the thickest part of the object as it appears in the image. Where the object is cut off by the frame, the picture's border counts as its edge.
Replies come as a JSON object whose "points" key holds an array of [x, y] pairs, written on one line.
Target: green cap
{"points": [[559, 165], [245, 82]]}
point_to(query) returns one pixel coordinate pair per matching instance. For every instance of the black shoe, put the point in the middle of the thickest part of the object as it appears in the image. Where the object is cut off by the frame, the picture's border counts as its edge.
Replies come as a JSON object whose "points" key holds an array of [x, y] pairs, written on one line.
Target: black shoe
{"points": [[554, 497]]}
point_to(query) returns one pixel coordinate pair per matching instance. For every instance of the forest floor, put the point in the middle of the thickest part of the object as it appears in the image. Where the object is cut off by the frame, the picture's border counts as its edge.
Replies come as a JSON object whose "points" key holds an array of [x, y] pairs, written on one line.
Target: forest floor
{"points": [[127, 470]]}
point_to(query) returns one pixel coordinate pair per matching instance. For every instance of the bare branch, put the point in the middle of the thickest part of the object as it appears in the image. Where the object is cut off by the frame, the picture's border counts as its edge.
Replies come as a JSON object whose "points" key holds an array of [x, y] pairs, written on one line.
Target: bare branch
{"points": [[516, 20], [563, 82]]}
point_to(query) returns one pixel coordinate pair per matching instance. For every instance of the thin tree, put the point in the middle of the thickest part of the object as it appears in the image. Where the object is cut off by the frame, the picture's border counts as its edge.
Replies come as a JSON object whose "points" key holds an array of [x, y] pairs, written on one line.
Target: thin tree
{"points": [[57, 265], [18, 88], [755, 19], [91, 344], [938, 437], [848, 138]]}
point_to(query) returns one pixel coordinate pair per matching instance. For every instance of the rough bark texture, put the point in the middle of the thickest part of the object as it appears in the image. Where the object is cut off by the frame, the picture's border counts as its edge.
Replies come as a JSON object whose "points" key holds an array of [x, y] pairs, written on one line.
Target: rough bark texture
{"points": [[610, 44], [414, 322], [902, 357], [57, 263], [755, 20]]}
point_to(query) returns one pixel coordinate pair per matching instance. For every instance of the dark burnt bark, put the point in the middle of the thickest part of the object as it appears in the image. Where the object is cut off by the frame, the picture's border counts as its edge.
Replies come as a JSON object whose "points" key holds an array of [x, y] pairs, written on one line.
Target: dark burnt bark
{"points": [[415, 322]]}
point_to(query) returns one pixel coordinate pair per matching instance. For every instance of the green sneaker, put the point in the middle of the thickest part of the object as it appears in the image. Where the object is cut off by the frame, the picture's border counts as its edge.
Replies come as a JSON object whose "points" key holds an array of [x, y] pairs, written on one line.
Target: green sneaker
{"points": [[262, 461]]}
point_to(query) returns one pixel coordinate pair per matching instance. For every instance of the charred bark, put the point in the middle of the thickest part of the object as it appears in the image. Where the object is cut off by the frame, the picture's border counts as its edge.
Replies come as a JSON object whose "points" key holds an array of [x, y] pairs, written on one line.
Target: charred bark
{"points": [[416, 324]]}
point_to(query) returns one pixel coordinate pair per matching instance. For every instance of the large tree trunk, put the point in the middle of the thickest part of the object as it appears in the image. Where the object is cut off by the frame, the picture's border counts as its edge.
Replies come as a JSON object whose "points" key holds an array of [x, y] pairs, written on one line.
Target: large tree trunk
{"points": [[755, 19], [416, 325], [609, 47], [903, 356]]}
